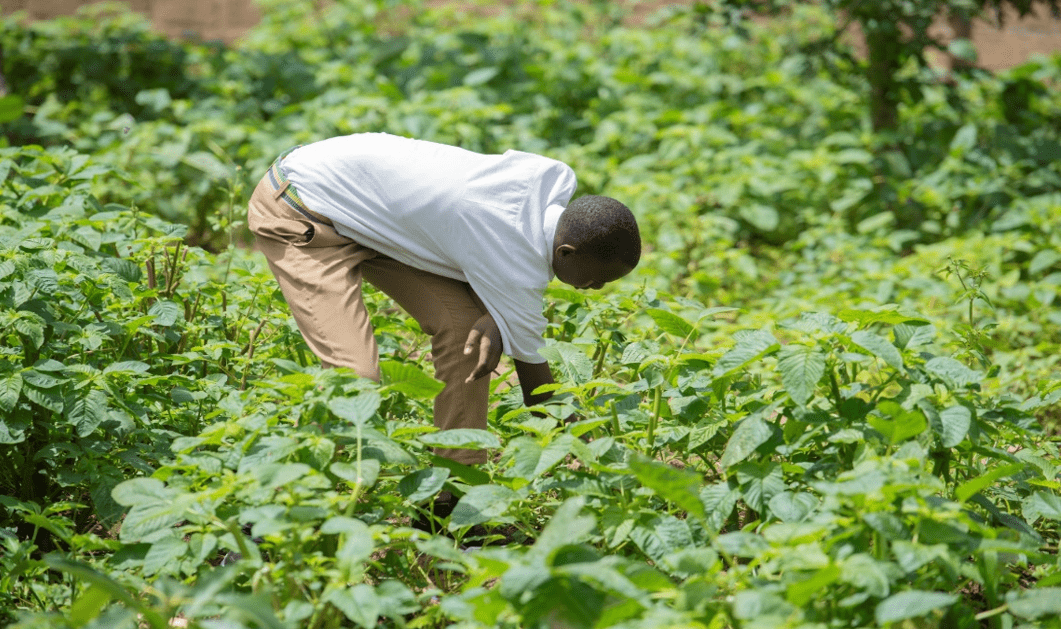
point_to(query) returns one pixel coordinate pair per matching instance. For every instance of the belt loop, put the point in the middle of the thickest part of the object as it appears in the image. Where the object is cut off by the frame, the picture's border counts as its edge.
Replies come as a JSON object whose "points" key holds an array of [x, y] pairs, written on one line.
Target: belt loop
{"points": [[279, 192]]}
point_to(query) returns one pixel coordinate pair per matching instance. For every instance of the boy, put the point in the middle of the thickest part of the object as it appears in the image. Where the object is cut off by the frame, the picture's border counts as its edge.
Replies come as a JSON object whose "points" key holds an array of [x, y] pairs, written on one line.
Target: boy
{"points": [[465, 243]]}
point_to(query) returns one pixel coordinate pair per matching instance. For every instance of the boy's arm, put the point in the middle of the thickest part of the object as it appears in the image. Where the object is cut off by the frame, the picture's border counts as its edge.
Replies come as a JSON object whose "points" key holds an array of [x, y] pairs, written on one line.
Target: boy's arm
{"points": [[531, 376]]}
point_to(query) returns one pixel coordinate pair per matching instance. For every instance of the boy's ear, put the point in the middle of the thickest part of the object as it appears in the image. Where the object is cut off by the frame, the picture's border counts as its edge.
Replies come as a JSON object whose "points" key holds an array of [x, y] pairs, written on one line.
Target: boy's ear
{"points": [[565, 250]]}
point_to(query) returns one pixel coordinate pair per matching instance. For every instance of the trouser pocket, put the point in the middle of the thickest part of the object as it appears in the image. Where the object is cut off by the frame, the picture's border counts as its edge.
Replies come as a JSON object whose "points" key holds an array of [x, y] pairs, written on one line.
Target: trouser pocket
{"points": [[272, 218]]}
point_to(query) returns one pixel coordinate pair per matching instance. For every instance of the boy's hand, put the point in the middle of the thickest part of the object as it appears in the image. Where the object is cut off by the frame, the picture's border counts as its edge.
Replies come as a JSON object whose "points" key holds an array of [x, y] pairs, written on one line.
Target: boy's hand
{"points": [[486, 338]]}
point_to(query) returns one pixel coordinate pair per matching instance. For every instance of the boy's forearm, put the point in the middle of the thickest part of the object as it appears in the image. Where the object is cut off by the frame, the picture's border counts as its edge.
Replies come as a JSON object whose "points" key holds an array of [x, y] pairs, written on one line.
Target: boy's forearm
{"points": [[531, 376]]}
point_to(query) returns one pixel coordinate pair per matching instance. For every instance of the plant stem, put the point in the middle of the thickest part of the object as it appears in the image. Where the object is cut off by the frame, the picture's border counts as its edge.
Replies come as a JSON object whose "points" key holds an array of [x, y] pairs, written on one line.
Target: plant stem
{"points": [[657, 398], [992, 612]]}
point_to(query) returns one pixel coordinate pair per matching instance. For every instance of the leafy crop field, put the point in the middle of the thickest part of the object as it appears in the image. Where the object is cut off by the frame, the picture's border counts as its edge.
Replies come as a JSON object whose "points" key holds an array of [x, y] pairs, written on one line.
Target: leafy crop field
{"points": [[828, 397]]}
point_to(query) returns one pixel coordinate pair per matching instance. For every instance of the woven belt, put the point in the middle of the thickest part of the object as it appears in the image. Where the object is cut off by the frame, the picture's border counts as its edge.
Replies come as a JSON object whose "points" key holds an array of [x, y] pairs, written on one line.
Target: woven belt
{"points": [[286, 191]]}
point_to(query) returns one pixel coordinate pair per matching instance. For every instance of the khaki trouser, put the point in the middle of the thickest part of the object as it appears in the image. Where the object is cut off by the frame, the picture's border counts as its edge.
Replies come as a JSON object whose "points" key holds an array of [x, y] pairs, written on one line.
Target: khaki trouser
{"points": [[320, 274]]}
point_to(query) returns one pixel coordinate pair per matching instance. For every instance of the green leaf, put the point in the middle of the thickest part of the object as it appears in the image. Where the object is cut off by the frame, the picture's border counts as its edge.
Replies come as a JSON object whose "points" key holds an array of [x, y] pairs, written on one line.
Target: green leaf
{"points": [[749, 435], [209, 164], [165, 312], [531, 460], [343, 525], [954, 374], [11, 108], [790, 506], [704, 431], [409, 380], [719, 499], [866, 574], [396, 599], [128, 270], [681, 487], [480, 76], [818, 322], [423, 484], [762, 217], [164, 555], [567, 526], [912, 604], [46, 281], [141, 491], [750, 345], [359, 604], [357, 543], [88, 237], [899, 423], [888, 315], [955, 422], [88, 606], [481, 504], [29, 326], [349, 472], [86, 412], [810, 588], [662, 536], [963, 48], [13, 429], [759, 482], [908, 336], [357, 410], [879, 347], [635, 353], [1035, 603], [1043, 260], [10, 387], [801, 367], [671, 323], [127, 366], [270, 449], [965, 139], [83, 572], [1042, 504], [50, 400], [101, 489], [144, 521], [742, 544], [570, 362], [461, 438], [40, 380]]}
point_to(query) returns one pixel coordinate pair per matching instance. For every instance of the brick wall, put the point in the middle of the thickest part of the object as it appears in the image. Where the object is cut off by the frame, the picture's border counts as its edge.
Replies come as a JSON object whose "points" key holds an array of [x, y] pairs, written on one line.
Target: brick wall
{"points": [[228, 19]]}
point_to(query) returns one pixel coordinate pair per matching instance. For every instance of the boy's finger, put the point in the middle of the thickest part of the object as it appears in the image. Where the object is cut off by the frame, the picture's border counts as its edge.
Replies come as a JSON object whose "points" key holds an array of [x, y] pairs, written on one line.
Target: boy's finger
{"points": [[473, 338], [479, 371], [487, 358]]}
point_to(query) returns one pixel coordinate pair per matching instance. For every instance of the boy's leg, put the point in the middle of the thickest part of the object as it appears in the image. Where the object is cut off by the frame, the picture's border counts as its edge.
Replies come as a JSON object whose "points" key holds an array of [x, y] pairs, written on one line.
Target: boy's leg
{"points": [[317, 270], [446, 309]]}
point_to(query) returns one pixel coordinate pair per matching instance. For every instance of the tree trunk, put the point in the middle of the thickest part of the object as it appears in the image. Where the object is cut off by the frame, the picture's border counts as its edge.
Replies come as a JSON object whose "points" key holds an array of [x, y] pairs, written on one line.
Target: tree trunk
{"points": [[884, 47]]}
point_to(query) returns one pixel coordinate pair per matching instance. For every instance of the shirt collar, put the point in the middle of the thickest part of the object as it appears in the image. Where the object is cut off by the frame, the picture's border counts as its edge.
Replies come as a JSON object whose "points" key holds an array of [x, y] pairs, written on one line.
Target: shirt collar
{"points": [[552, 217]]}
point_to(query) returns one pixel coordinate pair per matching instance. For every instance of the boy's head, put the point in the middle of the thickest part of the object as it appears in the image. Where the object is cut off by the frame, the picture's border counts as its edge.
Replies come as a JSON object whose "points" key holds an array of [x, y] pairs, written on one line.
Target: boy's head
{"points": [[596, 242]]}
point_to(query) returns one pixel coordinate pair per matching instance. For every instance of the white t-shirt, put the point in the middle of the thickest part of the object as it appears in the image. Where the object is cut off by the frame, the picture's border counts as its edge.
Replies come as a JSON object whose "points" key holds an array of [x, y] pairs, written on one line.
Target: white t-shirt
{"points": [[488, 220]]}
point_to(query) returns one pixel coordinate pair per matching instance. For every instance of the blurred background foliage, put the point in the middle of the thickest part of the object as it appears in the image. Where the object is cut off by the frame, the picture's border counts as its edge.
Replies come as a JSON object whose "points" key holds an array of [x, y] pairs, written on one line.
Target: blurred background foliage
{"points": [[777, 127]]}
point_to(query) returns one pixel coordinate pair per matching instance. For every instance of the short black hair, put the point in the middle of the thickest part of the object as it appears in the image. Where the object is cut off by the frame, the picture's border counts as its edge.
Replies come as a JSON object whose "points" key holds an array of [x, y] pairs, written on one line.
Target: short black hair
{"points": [[603, 227]]}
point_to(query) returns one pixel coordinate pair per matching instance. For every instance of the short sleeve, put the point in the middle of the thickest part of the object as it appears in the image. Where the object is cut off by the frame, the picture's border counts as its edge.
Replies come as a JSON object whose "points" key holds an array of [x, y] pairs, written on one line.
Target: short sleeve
{"points": [[556, 185]]}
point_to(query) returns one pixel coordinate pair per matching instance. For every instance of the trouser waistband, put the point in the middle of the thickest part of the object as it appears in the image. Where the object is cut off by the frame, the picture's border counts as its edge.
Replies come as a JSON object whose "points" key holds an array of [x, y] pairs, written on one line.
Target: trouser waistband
{"points": [[286, 191]]}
